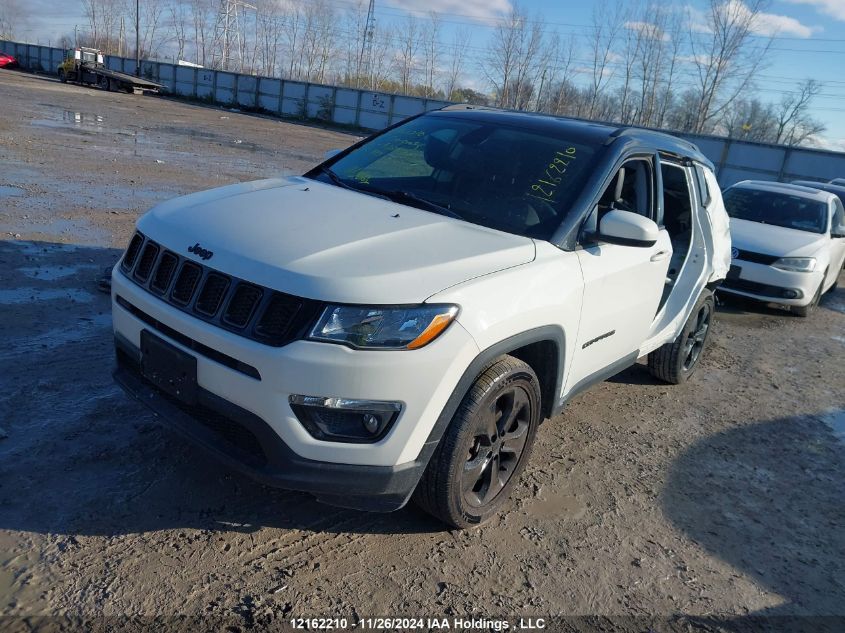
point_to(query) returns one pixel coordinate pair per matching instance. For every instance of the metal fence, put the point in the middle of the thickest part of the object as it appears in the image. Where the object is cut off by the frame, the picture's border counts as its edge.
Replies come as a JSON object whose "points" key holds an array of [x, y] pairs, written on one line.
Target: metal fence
{"points": [[735, 160]]}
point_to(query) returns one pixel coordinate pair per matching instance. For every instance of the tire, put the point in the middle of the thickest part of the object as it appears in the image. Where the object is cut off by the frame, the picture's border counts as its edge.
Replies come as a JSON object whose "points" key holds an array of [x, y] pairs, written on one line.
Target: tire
{"points": [[677, 361], [485, 447], [807, 310]]}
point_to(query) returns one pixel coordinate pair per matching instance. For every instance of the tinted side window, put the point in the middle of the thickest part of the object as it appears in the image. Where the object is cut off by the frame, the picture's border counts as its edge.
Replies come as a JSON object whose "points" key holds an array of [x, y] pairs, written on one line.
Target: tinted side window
{"points": [[838, 215], [677, 199]]}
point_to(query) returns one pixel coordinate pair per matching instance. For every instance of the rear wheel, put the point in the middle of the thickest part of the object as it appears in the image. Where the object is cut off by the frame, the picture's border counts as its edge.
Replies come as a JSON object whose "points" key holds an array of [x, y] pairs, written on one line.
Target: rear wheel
{"points": [[675, 362], [485, 448]]}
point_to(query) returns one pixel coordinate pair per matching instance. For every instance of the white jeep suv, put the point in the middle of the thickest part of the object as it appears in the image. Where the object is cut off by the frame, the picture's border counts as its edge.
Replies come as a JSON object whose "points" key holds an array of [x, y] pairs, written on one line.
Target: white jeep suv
{"points": [[398, 321], [788, 243]]}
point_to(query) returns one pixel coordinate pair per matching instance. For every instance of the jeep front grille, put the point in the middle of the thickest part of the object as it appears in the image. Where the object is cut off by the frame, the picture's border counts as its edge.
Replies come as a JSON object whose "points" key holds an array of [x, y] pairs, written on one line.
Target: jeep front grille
{"points": [[145, 264], [132, 252], [262, 314], [164, 272]]}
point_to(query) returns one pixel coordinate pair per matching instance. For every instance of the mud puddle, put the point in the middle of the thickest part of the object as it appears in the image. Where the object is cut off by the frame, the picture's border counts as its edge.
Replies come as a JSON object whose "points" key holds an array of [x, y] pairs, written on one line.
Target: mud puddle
{"points": [[82, 231], [9, 191], [835, 421], [78, 121], [9, 296], [557, 504], [52, 273]]}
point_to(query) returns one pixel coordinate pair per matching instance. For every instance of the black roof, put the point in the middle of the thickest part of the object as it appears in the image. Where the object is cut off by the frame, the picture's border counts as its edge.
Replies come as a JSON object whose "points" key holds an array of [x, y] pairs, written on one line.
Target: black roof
{"points": [[839, 190], [588, 131]]}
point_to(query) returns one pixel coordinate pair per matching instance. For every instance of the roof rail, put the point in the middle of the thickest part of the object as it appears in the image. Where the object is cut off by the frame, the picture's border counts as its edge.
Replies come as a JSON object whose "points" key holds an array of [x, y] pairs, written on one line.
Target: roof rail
{"points": [[468, 106]]}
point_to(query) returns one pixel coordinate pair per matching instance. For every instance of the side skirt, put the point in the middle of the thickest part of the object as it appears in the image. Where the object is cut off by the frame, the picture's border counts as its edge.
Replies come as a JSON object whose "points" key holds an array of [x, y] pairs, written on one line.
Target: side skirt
{"points": [[597, 377]]}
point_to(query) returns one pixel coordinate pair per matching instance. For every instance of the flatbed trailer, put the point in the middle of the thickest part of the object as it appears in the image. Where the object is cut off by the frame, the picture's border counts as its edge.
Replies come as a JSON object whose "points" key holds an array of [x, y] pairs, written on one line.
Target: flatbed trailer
{"points": [[86, 66]]}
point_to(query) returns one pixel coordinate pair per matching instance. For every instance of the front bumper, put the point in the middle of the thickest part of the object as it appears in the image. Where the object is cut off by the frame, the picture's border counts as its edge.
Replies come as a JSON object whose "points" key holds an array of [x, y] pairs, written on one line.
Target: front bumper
{"points": [[766, 283], [250, 383], [246, 443]]}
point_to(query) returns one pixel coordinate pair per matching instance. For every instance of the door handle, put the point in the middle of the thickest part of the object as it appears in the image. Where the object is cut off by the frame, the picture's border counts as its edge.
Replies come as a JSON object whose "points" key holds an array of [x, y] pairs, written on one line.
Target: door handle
{"points": [[659, 256]]}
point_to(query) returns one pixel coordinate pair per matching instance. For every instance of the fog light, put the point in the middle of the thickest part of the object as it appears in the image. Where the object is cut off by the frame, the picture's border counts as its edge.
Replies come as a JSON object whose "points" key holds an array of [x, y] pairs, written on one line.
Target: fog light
{"points": [[345, 419], [371, 423], [791, 294]]}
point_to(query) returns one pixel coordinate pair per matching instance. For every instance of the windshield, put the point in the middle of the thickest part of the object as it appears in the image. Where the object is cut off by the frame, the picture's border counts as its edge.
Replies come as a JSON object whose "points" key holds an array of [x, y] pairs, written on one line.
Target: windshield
{"points": [[779, 209], [516, 180]]}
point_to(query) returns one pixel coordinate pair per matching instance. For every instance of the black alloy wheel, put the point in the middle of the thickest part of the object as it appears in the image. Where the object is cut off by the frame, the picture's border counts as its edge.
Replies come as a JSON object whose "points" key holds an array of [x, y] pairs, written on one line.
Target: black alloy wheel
{"points": [[497, 448], [696, 339]]}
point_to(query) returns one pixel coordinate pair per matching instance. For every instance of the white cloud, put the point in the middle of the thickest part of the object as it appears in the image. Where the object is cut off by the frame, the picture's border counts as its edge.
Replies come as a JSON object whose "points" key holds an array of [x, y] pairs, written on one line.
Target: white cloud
{"points": [[766, 24], [481, 10], [772, 23], [649, 30], [833, 8], [823, 142], [700, 59]]}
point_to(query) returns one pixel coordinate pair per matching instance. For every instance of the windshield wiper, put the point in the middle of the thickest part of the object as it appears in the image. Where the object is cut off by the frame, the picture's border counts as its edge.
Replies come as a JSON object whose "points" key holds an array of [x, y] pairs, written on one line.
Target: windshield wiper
{"points": [[357, 187], [335, 178], [394, 196], [427, 205]]}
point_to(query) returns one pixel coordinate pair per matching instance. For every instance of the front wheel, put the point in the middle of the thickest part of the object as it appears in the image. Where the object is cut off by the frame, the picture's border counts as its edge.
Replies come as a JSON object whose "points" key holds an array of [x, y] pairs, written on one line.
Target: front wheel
{"points": [[807, 310], [485, 447], [675, 362]]}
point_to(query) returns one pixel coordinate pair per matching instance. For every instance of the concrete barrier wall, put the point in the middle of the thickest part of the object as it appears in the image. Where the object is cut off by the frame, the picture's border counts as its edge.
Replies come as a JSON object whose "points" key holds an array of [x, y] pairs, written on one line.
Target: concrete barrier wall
{"points": [[735, 160]]}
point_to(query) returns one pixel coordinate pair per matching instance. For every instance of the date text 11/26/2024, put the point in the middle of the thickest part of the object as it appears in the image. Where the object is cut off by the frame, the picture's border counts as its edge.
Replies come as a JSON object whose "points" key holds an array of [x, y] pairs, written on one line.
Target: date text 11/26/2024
{"points": [[424, 624]]}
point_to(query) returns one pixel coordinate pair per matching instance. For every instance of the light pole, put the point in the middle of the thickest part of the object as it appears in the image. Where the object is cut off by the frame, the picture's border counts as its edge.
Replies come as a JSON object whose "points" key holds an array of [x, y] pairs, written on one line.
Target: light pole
{"points": [[137, 38]]}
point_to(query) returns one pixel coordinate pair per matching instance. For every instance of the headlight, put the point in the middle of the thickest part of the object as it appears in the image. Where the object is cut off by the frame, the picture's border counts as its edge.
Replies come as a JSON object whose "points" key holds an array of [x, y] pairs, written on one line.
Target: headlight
{"points": [[383, 328], [796, 264]]}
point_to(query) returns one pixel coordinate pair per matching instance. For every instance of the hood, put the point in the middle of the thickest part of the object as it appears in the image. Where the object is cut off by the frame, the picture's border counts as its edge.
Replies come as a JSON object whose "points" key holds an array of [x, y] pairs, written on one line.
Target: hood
{"points": [[774, 240], [324, 242]]}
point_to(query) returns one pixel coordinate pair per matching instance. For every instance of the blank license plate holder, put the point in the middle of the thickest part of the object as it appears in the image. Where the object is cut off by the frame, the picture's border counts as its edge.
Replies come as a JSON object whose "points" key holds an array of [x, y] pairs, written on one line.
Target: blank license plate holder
{"points": [[168, 368]]}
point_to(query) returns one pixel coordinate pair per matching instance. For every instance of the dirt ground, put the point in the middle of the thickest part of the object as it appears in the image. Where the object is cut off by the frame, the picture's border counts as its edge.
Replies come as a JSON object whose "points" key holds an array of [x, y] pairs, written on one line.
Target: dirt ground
{"points": [[721, 498]]}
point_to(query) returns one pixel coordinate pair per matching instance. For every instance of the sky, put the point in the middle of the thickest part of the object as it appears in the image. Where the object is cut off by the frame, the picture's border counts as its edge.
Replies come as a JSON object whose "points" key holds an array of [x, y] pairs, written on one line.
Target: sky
{"points": [[808, 38]]}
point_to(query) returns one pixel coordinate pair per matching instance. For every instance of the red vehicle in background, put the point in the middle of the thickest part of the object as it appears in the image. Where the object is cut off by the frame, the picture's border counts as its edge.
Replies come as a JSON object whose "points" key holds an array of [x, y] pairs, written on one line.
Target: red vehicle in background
{"points": [[7, 61]]}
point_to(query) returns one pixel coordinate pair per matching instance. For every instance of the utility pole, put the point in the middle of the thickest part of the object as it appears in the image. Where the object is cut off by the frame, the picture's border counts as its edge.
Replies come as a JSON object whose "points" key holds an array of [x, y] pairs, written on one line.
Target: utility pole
{"points": [[367, 44], [75, 35], [137, 38], [540, 92], [120, 38], [227, 31]]}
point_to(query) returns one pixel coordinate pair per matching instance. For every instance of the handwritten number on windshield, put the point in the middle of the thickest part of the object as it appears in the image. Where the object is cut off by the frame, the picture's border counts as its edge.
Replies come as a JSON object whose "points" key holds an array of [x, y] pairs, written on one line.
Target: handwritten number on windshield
{"points": [[546, 186]]}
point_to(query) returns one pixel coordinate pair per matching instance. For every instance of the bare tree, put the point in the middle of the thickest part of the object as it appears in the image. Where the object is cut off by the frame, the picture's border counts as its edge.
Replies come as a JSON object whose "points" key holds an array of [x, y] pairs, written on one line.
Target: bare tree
{"points": [[637, 35], [673, 55], [431, 53], [511, 57], [268, 21], [724, 57], [457, 51], [11, 16], [558, 85], [318, 40], [179, 27], [794, 123], [293, 28], [202, 17], [605, 27], [409, 36]]}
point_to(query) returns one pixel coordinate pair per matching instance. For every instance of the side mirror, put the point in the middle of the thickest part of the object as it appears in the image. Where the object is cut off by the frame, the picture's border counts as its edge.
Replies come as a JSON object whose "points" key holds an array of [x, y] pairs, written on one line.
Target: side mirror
{"points": [[331, 153], [627, 229]]}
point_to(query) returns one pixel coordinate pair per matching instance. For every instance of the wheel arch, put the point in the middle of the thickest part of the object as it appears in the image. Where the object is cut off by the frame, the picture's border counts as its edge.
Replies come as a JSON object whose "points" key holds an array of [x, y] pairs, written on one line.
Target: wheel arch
{"points": [[543, 348]]}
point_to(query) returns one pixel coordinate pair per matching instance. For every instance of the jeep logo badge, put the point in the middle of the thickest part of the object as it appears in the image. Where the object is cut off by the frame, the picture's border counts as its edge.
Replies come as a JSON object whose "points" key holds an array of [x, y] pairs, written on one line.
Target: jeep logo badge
{"points": [[200, 252]]}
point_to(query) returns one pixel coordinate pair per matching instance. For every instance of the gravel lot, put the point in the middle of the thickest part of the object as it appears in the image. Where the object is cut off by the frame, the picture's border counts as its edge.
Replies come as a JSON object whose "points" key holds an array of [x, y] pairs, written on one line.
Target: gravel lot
{"points": [[720, 498]]}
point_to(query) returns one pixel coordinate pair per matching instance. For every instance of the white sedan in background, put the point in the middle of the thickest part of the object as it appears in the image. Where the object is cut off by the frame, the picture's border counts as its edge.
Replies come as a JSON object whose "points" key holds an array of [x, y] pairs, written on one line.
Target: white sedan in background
{"points": [[788, 243]]}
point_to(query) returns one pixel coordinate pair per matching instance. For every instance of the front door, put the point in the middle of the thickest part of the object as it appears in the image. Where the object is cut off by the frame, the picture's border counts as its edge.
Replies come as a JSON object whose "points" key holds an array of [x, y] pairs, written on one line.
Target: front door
{"points": [[623, 285]]}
